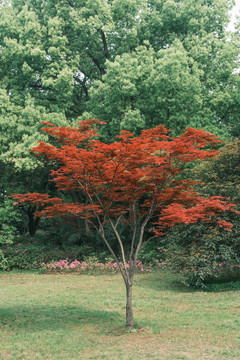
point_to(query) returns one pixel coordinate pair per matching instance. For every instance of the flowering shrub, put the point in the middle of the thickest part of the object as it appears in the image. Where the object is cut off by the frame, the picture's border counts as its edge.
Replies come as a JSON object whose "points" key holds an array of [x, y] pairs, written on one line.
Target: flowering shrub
{"points": [[201, 266], [197, 250], [91, 265]]}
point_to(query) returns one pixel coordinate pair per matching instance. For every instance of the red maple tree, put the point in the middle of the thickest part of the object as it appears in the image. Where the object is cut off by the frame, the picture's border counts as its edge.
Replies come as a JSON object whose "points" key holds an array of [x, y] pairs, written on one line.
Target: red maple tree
{"points": [[134, 181]]}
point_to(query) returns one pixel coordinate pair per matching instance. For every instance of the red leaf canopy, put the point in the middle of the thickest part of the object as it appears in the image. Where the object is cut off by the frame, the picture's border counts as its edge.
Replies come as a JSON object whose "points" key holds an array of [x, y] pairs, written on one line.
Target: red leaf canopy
{"points": [[144, 172]]}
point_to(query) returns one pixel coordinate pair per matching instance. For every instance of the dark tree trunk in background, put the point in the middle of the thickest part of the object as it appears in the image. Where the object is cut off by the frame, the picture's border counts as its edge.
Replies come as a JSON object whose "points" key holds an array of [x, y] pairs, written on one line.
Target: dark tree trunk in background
{"points": [[32, 221]]}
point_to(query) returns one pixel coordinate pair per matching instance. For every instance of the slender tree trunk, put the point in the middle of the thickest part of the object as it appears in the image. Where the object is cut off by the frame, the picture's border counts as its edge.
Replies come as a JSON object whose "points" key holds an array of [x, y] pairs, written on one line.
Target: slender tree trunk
{"points": [[129, 311], [87, 229]]}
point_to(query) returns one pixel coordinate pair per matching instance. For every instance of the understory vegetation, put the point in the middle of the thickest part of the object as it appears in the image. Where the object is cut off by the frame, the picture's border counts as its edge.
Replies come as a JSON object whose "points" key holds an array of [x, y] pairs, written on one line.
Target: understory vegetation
{"points": [[199, 265]]}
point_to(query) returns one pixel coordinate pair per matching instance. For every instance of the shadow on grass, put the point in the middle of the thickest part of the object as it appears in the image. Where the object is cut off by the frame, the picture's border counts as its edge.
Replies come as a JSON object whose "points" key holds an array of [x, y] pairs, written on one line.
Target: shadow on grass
{"points": [[167, 281], [164, 281], [45, 317]]}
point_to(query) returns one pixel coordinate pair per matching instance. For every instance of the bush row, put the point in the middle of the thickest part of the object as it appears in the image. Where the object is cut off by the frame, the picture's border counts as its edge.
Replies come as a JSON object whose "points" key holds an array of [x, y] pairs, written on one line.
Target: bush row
{"points": [[200, 265], [30, 255]]}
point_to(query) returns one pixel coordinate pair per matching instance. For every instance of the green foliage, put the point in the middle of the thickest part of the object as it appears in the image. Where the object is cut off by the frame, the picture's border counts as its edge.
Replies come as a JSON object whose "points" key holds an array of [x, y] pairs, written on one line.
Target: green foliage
{"points": [[143, 87], [197, 250], [69, 252], [220, 176]]}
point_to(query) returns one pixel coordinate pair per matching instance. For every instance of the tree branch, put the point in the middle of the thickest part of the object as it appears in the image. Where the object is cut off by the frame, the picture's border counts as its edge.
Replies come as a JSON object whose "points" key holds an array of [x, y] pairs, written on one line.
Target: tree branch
{"points": [[148, 217], [134, 233], [121, 246], [106, 53]]}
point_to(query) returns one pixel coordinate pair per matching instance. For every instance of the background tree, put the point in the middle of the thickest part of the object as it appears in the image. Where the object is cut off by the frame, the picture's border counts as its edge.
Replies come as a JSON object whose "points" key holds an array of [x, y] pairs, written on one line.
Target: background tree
{"points": [[221, 174], [20, 170], [135, 181], [146, 86], [187, 77], [132, 63]]}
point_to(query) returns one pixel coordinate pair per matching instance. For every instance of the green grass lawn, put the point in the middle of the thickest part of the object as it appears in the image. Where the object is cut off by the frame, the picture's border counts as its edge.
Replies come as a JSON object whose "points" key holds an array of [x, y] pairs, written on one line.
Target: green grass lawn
{"points": [[82, 317]]}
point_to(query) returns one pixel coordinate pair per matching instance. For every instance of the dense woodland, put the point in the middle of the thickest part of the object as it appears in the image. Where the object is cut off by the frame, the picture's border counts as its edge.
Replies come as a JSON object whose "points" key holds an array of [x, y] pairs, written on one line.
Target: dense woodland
{"points": [[134, 64]]}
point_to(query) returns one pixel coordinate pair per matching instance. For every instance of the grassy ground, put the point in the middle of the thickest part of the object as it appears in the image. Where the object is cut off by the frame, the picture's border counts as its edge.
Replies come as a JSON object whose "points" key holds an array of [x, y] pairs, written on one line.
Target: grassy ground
{"points": [[55, 317]]}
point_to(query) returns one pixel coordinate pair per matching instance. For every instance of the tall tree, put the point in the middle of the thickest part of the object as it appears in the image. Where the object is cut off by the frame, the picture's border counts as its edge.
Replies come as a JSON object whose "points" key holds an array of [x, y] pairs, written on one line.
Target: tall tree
{"points": [[132, 63], [146, 88], [134, 181], [188, 79], [58, 51]]}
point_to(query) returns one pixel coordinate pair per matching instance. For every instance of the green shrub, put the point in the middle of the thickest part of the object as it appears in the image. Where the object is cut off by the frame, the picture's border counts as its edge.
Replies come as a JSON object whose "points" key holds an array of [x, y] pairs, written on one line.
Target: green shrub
{"points": [[23, 256], [7, 234], [9, 218], [3, 261]]}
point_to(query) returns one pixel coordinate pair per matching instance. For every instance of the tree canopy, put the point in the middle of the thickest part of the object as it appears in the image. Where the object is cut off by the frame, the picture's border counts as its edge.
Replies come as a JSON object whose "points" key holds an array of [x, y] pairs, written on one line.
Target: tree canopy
{"points": [[133, 181]]}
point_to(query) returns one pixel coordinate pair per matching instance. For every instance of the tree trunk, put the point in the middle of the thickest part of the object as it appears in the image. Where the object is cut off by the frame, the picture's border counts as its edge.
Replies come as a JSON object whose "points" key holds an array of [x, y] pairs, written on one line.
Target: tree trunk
{"points": [[129, 311]]}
